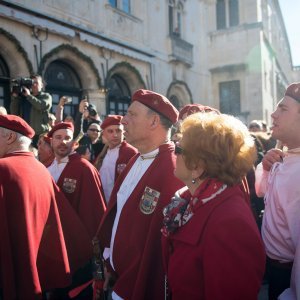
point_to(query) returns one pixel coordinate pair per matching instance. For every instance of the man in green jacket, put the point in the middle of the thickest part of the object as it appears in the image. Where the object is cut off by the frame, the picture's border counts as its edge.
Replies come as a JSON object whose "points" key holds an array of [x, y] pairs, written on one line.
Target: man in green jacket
{"points": [[33, 105]]}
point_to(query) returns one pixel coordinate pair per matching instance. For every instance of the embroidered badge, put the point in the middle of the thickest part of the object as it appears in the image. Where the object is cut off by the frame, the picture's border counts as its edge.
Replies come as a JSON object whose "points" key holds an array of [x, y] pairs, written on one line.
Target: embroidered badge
{"points": [[120, 168], [69, 185], [149, 201]]}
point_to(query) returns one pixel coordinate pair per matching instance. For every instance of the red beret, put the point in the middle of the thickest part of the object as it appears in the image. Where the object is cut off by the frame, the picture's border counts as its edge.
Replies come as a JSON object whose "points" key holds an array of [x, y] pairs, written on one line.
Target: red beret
{"points": [[111, 120], [158, 103], [293, 91], [16, 124], [190, 109], [62, 125]]}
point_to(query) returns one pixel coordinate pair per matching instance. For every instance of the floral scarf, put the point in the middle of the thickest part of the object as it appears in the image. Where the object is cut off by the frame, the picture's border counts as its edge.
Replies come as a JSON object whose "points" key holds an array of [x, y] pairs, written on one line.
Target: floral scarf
{"points": [[183, 205]]}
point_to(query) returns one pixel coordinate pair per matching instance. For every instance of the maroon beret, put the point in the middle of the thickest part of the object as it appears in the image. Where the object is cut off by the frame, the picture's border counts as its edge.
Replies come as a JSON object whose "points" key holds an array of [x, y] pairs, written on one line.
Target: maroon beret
{"points": [[62, 125], [158, 103], [293, 91], [111, 120], [16, 124], [190, 109]]}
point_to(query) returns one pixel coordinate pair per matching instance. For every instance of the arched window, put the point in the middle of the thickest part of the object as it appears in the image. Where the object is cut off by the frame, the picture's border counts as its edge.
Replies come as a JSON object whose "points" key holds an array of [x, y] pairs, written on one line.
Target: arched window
{"points": [[118, 96], [62, 80], [4, 84]]}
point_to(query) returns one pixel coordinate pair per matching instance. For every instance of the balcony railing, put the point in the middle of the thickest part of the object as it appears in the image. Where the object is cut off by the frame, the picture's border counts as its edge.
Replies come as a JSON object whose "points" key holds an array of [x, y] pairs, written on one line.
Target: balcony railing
{"points": [[181, 51]]}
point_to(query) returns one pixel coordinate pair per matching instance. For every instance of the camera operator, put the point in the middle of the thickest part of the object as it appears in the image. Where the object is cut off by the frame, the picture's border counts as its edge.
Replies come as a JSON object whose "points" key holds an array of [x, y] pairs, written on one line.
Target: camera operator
{"points": [[86, 115], [33, 105], [88, 123]]}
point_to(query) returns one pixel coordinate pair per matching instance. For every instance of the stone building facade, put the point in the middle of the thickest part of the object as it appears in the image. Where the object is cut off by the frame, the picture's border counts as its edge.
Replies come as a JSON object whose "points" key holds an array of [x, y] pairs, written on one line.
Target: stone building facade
{"points": [[230, 54]]}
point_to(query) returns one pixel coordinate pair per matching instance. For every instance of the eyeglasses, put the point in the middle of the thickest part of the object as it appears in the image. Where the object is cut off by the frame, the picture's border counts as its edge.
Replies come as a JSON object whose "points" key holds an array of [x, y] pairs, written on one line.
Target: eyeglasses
{"points": [[178, 150], [94, 130]]}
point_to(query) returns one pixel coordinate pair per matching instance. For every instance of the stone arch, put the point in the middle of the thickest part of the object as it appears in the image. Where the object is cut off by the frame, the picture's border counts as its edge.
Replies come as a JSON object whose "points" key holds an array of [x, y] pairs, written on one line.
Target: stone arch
{"points": [[15, 56], [129, 73], [181, 91], [81, 63]]}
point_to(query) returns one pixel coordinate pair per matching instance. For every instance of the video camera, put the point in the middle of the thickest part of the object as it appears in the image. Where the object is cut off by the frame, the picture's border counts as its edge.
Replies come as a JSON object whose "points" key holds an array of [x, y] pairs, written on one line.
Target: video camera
{"points": [[18, 84]]}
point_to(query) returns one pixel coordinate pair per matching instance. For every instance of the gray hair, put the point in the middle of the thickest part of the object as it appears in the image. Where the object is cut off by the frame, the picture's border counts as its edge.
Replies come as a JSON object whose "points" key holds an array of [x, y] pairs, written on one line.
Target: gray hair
{"points": [[22, 140]]}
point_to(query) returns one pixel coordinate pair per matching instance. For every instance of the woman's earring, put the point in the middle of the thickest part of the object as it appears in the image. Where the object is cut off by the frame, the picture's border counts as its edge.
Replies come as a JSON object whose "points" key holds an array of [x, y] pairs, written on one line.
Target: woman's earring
{"points": [[193, 181]]}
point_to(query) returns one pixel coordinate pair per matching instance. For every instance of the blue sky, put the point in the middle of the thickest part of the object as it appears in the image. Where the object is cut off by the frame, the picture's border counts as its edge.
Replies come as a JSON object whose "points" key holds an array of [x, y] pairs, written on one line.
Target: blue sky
{"points": [[291, 15]]}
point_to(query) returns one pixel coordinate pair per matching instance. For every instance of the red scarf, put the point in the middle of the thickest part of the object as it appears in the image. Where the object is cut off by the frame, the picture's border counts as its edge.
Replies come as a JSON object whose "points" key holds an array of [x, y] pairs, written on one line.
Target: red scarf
{"points": [[183, 205]]}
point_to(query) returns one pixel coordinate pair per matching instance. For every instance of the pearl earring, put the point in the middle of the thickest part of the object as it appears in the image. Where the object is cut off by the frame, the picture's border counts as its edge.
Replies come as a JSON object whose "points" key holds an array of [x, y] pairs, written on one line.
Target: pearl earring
{"points": [[193, 181]]}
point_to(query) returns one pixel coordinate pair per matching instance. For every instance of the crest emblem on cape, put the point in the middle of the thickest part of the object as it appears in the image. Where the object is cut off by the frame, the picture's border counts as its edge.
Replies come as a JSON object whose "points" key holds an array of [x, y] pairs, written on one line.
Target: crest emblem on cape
{"points": [[149, 201], [69, 185], [120, 168]]}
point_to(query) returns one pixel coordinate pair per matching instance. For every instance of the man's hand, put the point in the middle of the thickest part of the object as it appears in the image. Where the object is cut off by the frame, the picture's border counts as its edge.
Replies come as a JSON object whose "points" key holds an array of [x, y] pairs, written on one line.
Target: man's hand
{"points": [[25, 91], [62, 101], [272, 156], [83, 105]]}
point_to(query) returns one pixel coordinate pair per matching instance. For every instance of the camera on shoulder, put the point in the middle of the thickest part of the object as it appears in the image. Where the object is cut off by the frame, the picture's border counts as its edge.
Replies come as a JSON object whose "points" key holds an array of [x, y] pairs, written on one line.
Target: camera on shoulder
{"points": [[17, 84]]}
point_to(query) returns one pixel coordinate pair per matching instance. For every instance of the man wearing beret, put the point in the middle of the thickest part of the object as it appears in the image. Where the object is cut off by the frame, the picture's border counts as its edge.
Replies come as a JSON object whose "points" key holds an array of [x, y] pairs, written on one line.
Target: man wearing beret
{"points": [[130, 229], [33, 255], [76, 177], [277, 178], [114, 158]]}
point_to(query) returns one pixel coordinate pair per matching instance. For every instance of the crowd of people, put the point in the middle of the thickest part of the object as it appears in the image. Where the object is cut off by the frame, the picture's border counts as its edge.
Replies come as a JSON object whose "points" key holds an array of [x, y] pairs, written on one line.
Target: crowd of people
{"points": [[156, 204]]}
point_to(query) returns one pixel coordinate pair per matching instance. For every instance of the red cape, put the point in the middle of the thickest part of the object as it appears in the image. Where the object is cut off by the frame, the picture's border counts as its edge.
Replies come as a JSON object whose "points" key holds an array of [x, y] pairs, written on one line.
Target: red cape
{"points": [[81, 185], [33, 255], [218, 253], [137, 249]]}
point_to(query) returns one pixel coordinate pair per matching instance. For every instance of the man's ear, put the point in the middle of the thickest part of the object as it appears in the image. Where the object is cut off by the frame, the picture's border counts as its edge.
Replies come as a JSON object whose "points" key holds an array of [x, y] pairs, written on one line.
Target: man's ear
{"points": [[155, 121], [11, 137]]}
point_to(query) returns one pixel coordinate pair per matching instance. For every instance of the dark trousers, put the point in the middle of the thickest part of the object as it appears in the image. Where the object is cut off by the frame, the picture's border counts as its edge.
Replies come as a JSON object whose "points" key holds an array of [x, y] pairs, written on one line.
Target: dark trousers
{"points": [[279, 277]]}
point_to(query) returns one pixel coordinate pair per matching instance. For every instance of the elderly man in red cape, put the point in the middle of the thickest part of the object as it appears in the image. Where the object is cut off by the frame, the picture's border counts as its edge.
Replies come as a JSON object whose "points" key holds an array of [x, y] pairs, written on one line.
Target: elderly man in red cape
{"points": [[130, 229], [33, 254]]}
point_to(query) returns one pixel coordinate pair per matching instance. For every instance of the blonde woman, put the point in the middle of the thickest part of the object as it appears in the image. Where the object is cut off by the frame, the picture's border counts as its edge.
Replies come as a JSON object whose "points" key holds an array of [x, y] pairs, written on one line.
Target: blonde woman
{"points": [[211, 245]]}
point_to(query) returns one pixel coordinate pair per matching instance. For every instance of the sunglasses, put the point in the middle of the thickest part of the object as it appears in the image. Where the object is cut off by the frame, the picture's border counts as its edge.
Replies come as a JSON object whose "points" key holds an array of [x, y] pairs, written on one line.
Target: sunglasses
{"points": [[94, 130], [178, 150]]}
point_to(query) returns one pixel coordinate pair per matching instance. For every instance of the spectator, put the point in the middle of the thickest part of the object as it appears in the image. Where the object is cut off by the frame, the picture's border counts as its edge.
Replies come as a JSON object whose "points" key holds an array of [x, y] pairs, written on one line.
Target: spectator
{"points": [[113, 160], [32, 250], [255, 126], [277, 178], [3, 111], [92, 139], [59, 113], [201, 243], [52, 120], [87, 114], [33, 106], [130, 229]]}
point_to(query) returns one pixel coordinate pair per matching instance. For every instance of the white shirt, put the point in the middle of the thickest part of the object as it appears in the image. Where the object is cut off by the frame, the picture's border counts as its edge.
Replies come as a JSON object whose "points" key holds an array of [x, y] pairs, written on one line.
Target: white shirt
{"points": [[132, 179], [107, 171], [56, 168], [281, 221]]}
